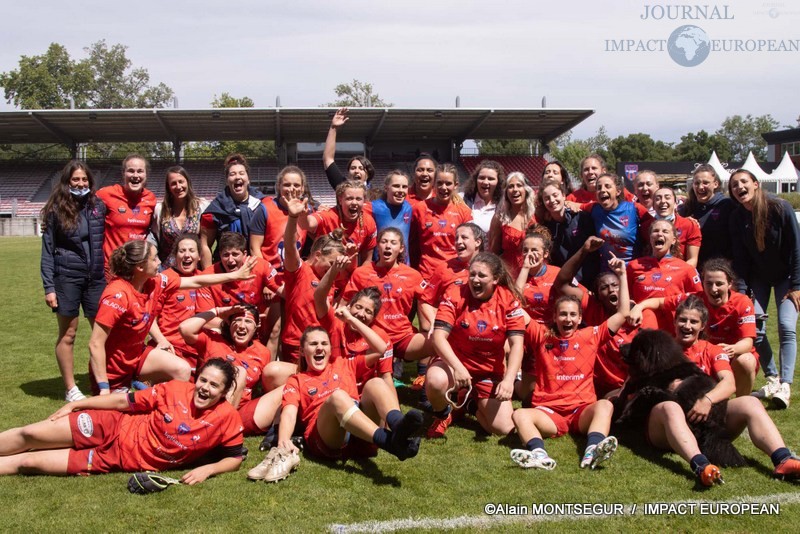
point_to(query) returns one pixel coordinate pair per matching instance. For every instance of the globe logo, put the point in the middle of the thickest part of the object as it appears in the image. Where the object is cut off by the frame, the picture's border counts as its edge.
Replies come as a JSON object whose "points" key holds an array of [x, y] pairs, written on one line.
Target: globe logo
{"points": [[688, 46]]}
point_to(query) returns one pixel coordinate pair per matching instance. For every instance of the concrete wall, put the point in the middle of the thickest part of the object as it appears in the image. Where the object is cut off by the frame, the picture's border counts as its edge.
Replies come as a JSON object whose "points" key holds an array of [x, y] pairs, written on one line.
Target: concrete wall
{"points": [[20, 226]]}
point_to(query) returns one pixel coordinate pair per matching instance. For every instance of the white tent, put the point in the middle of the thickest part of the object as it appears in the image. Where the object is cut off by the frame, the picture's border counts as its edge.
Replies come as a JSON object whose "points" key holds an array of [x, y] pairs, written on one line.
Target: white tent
{"points": [[752, 165], [785, 170], [718, 167]]}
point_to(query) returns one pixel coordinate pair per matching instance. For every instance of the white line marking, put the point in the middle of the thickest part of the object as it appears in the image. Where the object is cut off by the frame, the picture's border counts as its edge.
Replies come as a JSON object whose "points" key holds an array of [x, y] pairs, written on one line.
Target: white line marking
{"points": [[487, 521]]}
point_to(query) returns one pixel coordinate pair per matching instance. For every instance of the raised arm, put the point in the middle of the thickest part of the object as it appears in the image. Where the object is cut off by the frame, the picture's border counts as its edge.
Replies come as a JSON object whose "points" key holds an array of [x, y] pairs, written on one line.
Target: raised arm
{"points": [[329, 152], [616, 321], [322, 291], [204, 280], [375, 342], [296, 207], [563, 282]]}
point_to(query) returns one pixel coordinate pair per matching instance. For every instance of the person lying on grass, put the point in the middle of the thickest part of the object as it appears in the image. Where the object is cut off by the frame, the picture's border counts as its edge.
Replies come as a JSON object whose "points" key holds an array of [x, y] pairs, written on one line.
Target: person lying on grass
{"points": [[168, 426], [564, 398], [339, 423]]}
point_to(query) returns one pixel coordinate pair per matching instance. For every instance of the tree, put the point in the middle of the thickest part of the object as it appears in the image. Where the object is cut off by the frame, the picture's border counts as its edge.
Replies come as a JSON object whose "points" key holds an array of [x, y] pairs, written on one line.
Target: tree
{"points": [[639, 147], [504, 147], [744, 135], [103, 80], [357, 94], [570, 153], [697, 147], [220, 149]]}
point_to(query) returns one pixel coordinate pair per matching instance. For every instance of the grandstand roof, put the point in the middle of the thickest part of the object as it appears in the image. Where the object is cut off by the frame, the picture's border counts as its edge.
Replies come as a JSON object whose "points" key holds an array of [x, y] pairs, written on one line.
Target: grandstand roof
{"points": [[70, 126]]}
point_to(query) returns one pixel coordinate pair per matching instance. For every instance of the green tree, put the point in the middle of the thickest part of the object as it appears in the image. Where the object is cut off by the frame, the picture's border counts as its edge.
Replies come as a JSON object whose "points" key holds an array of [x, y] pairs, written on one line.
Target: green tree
{"points": [[639, 147], [570, 153], [357, 94], [504, 147], [744, 135], [697, 147], [220, 149]]}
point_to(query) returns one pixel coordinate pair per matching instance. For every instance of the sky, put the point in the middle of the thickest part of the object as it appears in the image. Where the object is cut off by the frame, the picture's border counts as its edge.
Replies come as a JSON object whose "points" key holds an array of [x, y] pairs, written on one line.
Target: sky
{"points": [[423, 54]]}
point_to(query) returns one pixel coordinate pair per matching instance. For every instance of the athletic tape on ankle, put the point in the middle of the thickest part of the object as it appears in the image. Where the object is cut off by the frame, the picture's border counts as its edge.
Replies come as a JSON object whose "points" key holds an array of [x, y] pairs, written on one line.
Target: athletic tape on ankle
{"points": [[348, 414]]}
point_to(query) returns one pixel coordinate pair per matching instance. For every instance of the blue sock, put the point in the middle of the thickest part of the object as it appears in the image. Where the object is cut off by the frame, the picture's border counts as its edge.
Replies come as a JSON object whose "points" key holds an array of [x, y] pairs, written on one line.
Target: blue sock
{"points": [[441, 414], [535, 443], [779, 456], [381, 437], [698, 462], [594, 438], [393, 417], [422, 368]]}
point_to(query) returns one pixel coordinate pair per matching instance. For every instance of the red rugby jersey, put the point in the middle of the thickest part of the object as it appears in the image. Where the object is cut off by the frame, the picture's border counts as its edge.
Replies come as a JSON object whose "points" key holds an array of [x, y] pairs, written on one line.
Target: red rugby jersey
{"points": [[128, 218]]}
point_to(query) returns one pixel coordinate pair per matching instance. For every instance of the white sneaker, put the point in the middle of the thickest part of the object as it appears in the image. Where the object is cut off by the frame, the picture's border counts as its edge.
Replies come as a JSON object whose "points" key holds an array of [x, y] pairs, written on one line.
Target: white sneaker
{"points": [[781, 397], [74, 394], [278, 464], [537, 458], [597, 454], [769, 389]]}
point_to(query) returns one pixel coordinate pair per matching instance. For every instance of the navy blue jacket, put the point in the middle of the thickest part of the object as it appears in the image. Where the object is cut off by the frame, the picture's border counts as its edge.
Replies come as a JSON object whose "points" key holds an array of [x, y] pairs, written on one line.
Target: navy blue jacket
{"points": [[66, 254], [780, 259], [568, 238], [714, 220]]}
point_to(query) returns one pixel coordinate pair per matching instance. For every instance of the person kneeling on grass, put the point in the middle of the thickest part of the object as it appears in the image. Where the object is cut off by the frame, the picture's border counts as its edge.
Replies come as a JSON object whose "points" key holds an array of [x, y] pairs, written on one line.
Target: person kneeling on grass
{"points": [[564, 399], [339, 423], [168, 426]]}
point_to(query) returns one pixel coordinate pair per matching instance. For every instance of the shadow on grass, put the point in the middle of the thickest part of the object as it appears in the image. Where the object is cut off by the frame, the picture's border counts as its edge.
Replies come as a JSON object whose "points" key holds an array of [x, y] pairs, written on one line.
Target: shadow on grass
{"points": [[634, 441], [53, 388], [364, 467]]}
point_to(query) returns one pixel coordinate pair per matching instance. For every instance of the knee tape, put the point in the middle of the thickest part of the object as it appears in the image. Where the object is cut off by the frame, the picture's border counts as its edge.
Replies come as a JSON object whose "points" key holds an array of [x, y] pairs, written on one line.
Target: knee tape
{"points": [[348, 414]]}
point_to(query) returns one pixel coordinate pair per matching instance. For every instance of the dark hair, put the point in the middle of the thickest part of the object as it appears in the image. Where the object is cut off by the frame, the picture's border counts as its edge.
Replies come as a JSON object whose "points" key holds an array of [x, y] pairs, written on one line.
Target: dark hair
{"points": [[499, 271], [691, 198], [471, 185], [192, 202], [229, 240], [617, 181], [225, 327], [401, 258], [422, 157], [184, 237], [227, 370], [236, 159], [290, 169], [372, 293], [541, 212], [477, 233], [566, 181], [135, 156], [367, 164], [762, 206], [302, 364], [693, 302], [61, 202], [559, 301], [722, 265], [127, 257], [540, 232]]}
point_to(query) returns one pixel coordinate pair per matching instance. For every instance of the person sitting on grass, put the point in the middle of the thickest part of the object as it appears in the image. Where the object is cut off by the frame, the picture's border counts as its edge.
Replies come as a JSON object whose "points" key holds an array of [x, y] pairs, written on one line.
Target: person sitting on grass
{"points": [[339, 423], [564, 398], [144, 430]]}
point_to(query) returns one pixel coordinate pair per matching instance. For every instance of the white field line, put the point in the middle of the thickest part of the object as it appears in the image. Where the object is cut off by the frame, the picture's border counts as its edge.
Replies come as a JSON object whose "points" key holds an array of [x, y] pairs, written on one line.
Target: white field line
{"points": [[497, 519]]}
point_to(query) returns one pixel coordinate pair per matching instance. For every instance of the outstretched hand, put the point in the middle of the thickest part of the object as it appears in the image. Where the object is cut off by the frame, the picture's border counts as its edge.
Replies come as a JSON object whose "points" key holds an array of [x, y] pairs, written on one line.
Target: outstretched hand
{"points": [[616, 265], [295, 203], [593, 243], [339, 118]]}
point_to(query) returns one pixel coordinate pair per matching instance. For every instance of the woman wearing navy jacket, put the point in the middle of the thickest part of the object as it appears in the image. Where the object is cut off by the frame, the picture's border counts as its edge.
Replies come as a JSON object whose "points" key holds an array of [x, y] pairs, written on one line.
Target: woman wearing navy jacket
{"points": [[766, 255], [72, 260], [711, 208]]}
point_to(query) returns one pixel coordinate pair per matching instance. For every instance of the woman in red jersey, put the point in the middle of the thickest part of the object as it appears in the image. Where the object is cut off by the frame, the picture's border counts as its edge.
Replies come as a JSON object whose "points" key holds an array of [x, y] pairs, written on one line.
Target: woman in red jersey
{"points": [[732, 320], [514, 215], [687, 230], [591, 168], [434, 222], [339, 422], [663, 272], [302, 277], [564, 398], [164, 427], [128, 307], [183, 303], [130, 206], [424, 175], [358, 227], [472, 326], [667, 426]]}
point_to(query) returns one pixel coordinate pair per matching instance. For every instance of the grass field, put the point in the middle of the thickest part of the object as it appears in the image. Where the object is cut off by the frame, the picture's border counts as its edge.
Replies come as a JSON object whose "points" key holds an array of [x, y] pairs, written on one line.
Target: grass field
{"points": [[450, 479]]}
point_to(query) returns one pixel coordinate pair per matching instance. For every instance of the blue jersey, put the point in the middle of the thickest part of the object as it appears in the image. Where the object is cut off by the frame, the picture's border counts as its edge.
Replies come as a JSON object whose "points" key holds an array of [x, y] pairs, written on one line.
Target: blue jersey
{"points": [[387, 215], [618, 228]]}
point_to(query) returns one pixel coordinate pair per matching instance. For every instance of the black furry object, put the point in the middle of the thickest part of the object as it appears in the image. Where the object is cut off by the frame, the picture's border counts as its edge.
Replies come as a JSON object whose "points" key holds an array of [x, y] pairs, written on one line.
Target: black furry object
{"points": [[660, 372]]}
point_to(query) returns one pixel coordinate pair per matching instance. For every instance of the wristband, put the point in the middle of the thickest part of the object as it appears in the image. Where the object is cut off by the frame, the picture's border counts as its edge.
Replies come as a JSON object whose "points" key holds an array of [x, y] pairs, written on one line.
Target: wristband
{"points": [[709, 399], [103, 385]]}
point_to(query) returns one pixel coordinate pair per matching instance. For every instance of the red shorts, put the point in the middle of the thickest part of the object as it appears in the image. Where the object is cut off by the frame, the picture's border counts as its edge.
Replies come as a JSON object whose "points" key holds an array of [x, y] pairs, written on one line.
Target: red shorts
{"points": [[401, 346], [95, 434], [116, 380], [566, 421], [353, 447], [484, 387], [247, 412]]}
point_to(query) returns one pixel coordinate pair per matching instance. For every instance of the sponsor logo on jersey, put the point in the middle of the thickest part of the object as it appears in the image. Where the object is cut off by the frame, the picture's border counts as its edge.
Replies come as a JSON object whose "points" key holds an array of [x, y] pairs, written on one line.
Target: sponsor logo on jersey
{"points": [[624, 220], [183, 428], [85, 424], [481, 326], [563, 344], [135, 210], [464, 324], [167, 418], [180, 298], [442, 223], [656, 277], [122, 209]]}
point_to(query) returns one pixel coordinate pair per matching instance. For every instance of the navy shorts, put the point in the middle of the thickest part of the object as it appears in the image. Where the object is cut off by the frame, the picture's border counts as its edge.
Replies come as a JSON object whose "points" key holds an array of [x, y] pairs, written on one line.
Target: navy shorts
{"points": [[74, 293]]}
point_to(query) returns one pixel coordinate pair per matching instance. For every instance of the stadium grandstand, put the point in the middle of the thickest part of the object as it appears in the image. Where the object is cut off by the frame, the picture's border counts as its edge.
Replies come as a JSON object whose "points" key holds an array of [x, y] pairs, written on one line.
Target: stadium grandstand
{"points": [[391, 137]]}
